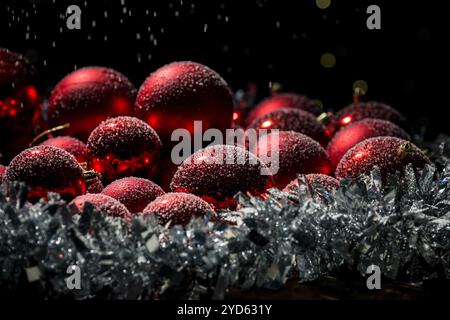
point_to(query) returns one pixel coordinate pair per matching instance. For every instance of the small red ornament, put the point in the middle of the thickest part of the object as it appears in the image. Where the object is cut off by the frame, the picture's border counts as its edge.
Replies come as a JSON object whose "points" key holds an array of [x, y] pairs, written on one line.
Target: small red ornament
{"points": [[390, 154], [362, 110], [19, 104], [102, 203], [177, 94], [124, 146], [218, 172], [178, 208], [88, 96], [72, 145], [134, 193], [358, 131], [328, 183], [2, 172], [282, 101], [292, 120], [298, 154], [45, 169]]}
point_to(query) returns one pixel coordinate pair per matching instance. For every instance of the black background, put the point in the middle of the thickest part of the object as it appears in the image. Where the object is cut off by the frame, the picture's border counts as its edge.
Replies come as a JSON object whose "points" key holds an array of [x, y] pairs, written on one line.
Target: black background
{"points": [[260, 41]]}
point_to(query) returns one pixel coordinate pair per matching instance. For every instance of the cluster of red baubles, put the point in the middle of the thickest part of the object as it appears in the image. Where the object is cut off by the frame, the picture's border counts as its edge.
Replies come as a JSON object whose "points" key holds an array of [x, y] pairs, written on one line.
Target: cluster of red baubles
{"points": [[122, 140]]}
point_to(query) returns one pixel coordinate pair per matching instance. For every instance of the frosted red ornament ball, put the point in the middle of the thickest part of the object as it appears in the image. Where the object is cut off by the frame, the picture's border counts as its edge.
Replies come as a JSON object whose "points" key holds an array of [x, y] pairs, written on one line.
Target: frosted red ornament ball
{"points": [[177, 94], [389, 154], [103, 203], [208, 174], [283, 101], [124, 146], [88, 96], [178, 208], [363, 110], [19, 104], [72, 145], [46, 168], [134, 193], [292, 120], [297, 154], [358, 131]]}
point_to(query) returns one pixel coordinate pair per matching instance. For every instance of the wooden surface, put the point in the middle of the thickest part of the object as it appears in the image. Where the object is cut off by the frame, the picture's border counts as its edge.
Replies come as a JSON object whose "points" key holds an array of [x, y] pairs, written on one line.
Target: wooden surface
{"points": [[330, 288]]}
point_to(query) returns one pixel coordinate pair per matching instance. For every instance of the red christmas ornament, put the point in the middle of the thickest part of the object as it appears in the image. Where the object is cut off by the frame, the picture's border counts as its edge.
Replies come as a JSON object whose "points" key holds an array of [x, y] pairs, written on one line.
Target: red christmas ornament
{"points": [[46, 168], [390, 154], [134, 193], [328, 183], [72, 145], [358, 131], [178, 208], [124, 146], [292, 120], [218, 172], [19, 104], [2, 172], [362, 110], [88, 96], [282, 101], [297, 153], [177, 94], [102, 203]]}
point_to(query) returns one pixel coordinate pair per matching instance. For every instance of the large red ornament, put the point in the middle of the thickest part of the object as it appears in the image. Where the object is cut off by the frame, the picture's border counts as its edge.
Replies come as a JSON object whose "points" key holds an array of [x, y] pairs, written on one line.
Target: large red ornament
{"points": [[86, 97], [102, 203], [218, 172], [390, 154], [177, 208], [124, 146], [362, 110], [292, 120], [297, 153], [46, 168], [282, 101], [134, 193], [19, 104], [326, 182], [358, 131], [72, 145], [177, 94]]}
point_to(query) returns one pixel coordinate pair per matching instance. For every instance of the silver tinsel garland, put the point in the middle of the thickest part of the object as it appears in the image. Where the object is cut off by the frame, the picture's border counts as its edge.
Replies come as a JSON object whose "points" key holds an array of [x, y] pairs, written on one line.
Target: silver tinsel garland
{"points": [[403, 227]]}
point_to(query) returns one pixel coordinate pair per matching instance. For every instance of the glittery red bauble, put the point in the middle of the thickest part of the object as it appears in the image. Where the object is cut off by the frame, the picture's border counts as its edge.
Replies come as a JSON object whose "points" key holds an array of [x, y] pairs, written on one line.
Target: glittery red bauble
{"points": [[326, 182], [46, 168], [19, 104], [298, 154], [292, 120], [282, 101], [177, 94], [390, 154], [124, 146], [178, 208], [363, 110], [103, 203], [86, 97], [358, 131], [72, 145], [218, 172], [2, 172], [134, 193]]}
